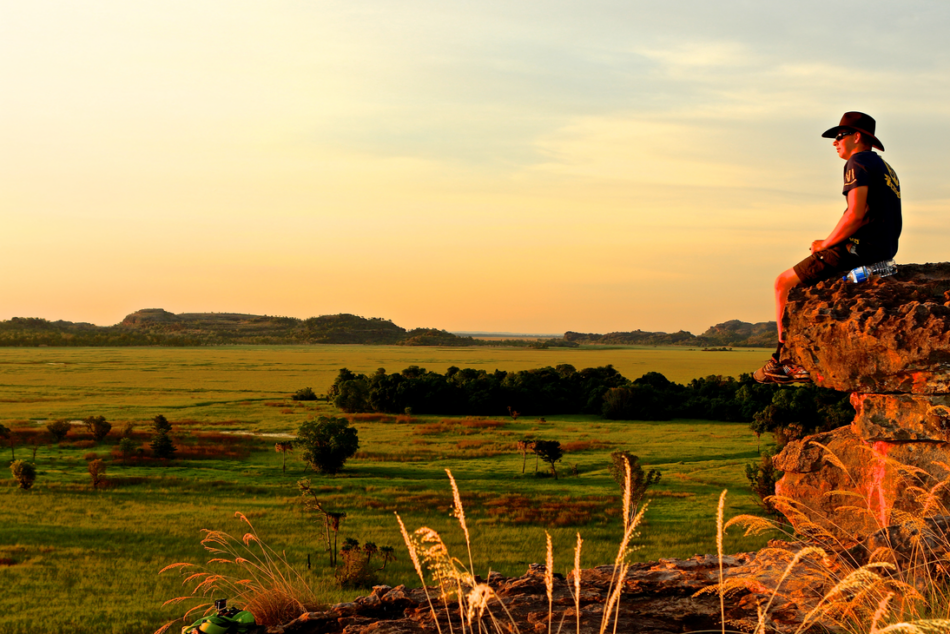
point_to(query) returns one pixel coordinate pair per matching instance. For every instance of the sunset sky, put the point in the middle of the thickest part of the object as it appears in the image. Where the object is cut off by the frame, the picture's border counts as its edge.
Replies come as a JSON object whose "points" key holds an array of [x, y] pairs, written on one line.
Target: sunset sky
{"points": [[495, 166]]}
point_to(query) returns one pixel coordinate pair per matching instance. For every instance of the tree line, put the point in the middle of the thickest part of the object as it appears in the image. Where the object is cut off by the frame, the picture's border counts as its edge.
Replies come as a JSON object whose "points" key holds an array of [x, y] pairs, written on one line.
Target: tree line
{"points": [[790, 412]]}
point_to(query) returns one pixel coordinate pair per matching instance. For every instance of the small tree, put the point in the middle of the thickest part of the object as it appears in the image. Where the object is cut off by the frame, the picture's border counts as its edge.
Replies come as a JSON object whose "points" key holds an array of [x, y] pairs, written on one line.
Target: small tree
{"points": [[162, 445], [128, 430], [304, 394], [331, 520], [550, 452], [98, 427], [524, 446], [282, 448], [6, 435], [35, 443], [97, 469], [24, 473], [326, 443], [58, 429], [640, 480]]}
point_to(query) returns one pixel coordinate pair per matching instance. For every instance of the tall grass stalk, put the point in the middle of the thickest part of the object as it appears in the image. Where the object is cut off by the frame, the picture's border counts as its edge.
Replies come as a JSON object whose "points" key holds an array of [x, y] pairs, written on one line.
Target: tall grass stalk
{"points": [[719, 550], [577, 580], [549, 577], [414, 555]]}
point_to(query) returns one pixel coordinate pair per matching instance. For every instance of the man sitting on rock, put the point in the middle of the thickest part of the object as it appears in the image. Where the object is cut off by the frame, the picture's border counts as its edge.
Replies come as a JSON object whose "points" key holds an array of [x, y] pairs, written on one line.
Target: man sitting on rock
{"points": [[867, 232]]}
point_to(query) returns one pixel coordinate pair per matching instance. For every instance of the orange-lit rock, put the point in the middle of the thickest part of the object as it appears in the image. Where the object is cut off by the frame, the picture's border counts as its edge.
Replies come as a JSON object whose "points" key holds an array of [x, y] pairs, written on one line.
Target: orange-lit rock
{"points": [[888, 342], [886, 335]]}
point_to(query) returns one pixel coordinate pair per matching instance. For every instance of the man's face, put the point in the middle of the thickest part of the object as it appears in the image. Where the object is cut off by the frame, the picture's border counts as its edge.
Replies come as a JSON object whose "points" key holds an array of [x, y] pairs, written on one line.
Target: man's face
{"points": [[845, 144]]}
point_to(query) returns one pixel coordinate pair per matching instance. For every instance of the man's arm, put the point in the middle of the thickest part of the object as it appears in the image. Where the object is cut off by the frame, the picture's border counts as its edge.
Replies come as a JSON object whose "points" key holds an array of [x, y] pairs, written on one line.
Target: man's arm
{"points": [[852, 220]]}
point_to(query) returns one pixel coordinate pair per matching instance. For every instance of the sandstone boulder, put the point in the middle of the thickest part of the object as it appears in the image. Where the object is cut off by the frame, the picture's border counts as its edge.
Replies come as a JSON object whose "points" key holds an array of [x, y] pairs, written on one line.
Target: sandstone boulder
{"points": [[850, 487]]}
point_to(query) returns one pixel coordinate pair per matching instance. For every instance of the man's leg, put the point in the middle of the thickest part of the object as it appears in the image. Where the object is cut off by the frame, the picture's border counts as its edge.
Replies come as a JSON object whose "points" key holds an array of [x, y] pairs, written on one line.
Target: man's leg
{"points": [[777, 369], [783, 284]]}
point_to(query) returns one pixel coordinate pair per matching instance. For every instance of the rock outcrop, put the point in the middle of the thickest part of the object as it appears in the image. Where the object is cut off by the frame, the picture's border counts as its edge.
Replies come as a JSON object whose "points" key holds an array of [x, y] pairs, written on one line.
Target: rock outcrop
{"points": [[657, 597], [883, 336], [888, 342]]}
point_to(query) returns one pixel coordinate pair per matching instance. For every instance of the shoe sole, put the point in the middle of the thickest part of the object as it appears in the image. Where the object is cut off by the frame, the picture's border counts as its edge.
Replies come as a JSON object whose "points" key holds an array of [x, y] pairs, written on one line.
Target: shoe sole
{"points": [[771, 378]]}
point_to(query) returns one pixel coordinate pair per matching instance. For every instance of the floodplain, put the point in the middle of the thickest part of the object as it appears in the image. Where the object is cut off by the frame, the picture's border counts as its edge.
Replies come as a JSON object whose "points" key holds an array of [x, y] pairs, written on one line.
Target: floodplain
{"points": [[79, 559]]}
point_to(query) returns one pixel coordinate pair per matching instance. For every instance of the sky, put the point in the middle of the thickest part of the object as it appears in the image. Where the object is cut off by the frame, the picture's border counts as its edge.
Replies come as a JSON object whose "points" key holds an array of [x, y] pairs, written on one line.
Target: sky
{"points": [[537, 167]]}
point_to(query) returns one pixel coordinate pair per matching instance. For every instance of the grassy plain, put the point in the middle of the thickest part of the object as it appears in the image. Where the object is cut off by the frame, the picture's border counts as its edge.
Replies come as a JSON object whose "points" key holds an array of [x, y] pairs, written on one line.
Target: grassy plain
{"points": [[232, 383], [86, 561]]}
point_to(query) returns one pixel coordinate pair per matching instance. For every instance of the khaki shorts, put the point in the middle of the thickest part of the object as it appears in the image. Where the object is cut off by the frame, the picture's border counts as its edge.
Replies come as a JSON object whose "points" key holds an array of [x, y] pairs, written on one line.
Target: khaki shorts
{"points": [[832, 262]]}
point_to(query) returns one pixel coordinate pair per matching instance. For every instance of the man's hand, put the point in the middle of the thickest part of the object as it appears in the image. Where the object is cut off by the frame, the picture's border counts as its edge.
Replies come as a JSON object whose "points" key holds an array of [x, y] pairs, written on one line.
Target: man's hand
{"points": [[817, 245]]}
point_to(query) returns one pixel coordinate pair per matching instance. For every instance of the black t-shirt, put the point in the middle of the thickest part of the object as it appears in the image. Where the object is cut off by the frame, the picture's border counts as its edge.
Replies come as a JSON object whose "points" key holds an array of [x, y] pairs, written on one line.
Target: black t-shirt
{"points": [[877, 240]]}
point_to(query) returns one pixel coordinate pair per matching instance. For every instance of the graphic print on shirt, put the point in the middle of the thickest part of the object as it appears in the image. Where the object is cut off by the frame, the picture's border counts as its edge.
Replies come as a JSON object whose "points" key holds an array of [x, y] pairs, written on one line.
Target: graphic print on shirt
{"points": [[891, 179], [849, 178]]}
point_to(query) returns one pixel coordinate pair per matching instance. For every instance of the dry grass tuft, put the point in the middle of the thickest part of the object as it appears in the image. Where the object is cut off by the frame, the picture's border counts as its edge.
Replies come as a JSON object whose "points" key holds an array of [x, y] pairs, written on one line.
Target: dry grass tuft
{"points": [[585, 445], [478, 423], [255, 576], [371, 418]]}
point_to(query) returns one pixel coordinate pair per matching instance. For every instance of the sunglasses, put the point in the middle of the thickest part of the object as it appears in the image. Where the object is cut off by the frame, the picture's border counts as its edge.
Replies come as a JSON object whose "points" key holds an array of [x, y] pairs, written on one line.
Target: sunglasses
{"points": [[842, 135]]}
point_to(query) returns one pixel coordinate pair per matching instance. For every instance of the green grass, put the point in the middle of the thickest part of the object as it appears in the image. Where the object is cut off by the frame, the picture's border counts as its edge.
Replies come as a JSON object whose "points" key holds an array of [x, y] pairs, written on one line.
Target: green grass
{"points": [[86, 561], [233, 383]]}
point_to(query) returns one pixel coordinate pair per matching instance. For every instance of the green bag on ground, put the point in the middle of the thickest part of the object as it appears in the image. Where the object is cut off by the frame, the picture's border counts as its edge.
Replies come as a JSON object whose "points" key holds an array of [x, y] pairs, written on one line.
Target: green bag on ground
{"points": [[226, 621]]}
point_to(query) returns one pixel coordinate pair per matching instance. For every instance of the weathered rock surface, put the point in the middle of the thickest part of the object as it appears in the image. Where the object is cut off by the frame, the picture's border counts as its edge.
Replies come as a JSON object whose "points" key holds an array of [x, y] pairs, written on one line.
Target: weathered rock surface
{"points": [[851, 487], [888, 342], [901, 417], [658, 597], [886, 335]]}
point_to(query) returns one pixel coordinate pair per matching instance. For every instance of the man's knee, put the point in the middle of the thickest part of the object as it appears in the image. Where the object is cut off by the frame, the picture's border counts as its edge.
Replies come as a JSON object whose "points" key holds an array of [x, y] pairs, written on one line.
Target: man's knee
{"points": [[786, 281]]}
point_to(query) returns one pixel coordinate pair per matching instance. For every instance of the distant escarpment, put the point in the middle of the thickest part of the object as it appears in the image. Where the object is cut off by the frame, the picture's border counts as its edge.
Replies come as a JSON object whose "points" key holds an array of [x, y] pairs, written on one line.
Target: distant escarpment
{"points": [[158, 327], [730, 333]]}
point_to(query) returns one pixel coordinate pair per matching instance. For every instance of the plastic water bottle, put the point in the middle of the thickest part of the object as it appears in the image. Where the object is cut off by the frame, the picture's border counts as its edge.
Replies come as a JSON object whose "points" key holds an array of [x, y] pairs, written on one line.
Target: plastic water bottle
{"points": [[863, 273]]}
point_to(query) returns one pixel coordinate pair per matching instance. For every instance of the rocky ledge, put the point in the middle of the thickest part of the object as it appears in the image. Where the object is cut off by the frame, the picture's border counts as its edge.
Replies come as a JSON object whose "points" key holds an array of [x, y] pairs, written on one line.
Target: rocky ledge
{"points": [[669, 595], [891, 334]]}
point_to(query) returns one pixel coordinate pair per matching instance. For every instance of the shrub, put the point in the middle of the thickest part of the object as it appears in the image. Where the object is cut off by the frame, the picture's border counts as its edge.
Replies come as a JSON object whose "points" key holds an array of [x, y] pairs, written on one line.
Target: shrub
{"points": [[326, 443], [98, 427], [357, 570], [127, 447], [92, 455], [762, 477], [97, 469], [58, 429], [24, 473], [162, 445], [82, 444], [304, 394]]}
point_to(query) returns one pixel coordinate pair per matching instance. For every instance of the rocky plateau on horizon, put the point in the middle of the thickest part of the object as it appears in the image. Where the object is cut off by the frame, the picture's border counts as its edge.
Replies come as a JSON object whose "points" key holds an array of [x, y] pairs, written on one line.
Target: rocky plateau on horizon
{"points": [[158, 327]]}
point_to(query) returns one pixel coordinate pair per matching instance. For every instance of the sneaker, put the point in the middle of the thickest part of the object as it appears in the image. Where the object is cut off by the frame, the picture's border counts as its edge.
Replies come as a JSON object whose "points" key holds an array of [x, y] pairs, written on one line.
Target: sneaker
{"points": [[795, 373], [771, 372], [781, 372]]}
